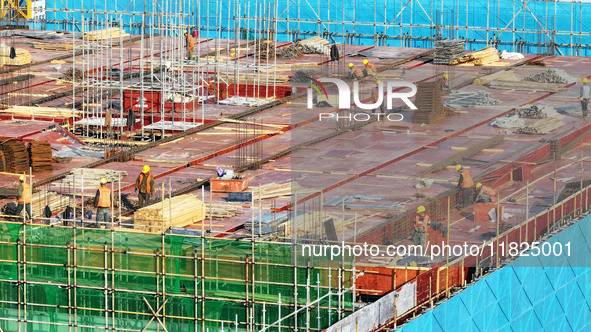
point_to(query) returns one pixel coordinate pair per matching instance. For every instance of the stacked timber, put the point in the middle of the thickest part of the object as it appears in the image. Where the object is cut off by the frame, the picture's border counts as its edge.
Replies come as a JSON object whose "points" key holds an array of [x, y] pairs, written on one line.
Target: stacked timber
{"points": [[429, 103], [50, 112], [2, 162], [252, 77], [273, 190], [43, 198], [178, 211], [541, 127], [481, 57], [88, 178], [222, 212], [286, 67], [109, 33], [22, 57], [525, 86], [53, 46], [313, 45], [16, 156], [448, 50], [40, 155]]}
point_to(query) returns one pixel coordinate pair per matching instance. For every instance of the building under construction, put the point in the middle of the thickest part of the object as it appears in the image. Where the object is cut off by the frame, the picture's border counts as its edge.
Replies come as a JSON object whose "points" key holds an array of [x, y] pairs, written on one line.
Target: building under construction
{"points": [[292, 167]]}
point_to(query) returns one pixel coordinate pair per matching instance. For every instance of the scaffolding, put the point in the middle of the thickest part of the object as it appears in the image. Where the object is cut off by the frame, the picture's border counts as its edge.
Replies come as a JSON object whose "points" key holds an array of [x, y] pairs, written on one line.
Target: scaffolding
{"points": [[64, 279]]}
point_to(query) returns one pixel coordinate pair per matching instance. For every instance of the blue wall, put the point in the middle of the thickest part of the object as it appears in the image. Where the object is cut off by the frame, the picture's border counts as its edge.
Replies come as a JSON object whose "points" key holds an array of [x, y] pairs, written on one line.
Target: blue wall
{"points": [[326, 16], [531, 294]]}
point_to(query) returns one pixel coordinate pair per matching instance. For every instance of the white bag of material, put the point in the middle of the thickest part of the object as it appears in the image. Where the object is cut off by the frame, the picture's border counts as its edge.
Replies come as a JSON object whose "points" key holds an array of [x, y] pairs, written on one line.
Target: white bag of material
{"points": [[511, 55]]}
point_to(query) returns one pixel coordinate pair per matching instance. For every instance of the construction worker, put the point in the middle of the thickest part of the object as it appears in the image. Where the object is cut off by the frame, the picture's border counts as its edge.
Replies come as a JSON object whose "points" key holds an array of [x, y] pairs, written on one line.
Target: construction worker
{"points": [[584, 96], [485, 194], [23, 196], [355, 73], [189, 44], [102, 203], [369, 69], [422, 219], [375, 95], [145, 184], [445, 81], [465, 183]]}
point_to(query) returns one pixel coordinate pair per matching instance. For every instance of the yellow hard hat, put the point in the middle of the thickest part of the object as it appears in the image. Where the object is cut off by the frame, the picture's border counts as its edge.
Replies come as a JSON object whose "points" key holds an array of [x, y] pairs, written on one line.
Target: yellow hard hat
{"points": [[478, 185], [421, 209], [458, 168], [585, 80], [184, 31], [103, 181], [146, 169], [445, 75], [233, 54], [365, 61], [22, 178], [351, 64], [378, 82]]}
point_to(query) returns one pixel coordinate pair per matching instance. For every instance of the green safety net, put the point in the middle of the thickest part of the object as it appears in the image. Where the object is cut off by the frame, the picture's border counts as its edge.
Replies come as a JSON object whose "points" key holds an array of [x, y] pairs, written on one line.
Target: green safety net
{"points": [[208, 283]]}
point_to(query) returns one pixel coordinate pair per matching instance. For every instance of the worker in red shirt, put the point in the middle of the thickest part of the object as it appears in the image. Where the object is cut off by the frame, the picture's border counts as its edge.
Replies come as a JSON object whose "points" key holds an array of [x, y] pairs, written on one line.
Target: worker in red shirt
{"points": [[422, 219]]}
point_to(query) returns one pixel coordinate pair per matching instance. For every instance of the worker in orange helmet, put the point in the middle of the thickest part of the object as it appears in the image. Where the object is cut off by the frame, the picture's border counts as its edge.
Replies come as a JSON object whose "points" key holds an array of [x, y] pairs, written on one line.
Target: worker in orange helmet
{"points": [[189, 44], [102, 203], [465, 183], [145, 184], [24, 196], [422, 219], [369, 69], [354, 73], [485, 194]]}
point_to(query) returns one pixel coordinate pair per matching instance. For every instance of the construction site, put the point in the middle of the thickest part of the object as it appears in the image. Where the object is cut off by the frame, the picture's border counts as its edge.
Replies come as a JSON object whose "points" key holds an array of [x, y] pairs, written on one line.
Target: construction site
{"points": [[275, 165]]}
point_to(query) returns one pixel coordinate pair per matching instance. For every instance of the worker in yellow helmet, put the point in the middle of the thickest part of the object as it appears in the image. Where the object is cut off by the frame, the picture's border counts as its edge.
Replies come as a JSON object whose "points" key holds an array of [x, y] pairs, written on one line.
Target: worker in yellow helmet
{"points": [[189, 44], [585, 93], [445, 81], [465, 183], [102, 202], [24, 196], [485, 194], [354, 73], [145, 184], [369, 69], [422, 219]]}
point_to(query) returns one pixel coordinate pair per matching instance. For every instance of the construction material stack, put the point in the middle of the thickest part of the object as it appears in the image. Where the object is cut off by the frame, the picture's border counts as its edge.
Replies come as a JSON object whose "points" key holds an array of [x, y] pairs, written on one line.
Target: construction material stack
{"points": [[483, 57], [40, 155], [178, 211], [88, 178], [448, 50], [109, 33], [429, 103], [16, 156]]}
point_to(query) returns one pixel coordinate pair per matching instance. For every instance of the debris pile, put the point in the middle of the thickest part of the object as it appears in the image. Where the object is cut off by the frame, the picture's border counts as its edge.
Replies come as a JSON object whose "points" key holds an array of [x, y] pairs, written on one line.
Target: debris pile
{"points": [[552, 75], [471, 98], [313, 45], [76, 74], [536, 112], [302, 76], [266, 49], [513, 121], [429, 103], [448, 50]]}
